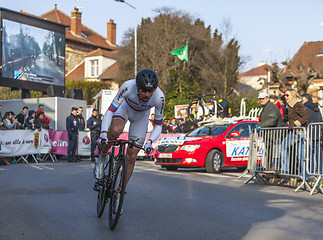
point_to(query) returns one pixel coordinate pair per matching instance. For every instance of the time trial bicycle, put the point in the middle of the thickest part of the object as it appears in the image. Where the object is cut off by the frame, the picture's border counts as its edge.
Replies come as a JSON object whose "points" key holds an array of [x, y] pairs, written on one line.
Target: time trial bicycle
{"points": [[113, 181]]}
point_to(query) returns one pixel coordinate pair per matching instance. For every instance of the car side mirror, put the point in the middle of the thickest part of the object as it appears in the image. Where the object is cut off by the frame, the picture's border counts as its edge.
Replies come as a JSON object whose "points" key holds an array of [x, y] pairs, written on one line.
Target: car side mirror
{"points": [[234, 134]]}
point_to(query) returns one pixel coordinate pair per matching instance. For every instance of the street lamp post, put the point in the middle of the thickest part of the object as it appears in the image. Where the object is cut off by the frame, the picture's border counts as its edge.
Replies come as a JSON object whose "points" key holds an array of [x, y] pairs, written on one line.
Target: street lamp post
{"points": [[122, 1]]}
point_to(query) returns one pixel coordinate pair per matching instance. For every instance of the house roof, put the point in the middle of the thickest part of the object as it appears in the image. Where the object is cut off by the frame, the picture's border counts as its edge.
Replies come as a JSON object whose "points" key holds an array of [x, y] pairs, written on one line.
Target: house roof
{"points": [[111, 72], [102, 52], [258, 71], [309, 54], [76, 74], [90, 37]]}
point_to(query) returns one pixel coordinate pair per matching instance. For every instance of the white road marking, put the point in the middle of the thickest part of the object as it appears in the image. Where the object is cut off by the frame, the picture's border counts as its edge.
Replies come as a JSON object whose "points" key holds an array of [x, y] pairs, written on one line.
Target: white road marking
{"points": [[2, 169], [42, 167]]}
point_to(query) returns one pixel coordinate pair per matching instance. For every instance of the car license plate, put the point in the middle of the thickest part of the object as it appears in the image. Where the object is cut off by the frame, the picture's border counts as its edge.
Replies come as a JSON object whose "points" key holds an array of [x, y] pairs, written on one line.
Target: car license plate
{"points": [[165, 155]]}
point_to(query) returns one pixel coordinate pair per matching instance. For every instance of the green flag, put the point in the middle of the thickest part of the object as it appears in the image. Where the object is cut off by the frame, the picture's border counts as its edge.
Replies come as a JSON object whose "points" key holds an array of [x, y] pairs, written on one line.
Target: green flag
{"points": [[181, 53]]}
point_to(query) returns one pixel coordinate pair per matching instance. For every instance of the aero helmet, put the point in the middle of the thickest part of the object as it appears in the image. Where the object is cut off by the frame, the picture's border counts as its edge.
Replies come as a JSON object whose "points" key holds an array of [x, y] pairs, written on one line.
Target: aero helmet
{"points": [[147, 78]]}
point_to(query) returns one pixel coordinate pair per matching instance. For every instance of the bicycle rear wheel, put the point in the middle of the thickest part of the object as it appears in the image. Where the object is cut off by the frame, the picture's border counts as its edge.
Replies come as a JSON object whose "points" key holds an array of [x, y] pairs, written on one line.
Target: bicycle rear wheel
{"points": [[195, 110], [118, 187], [103, 197]]}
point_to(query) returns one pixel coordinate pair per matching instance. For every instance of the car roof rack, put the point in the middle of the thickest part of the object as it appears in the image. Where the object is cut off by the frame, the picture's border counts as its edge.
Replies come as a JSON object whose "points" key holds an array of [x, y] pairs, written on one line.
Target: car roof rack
{"points": [[214, 119]]}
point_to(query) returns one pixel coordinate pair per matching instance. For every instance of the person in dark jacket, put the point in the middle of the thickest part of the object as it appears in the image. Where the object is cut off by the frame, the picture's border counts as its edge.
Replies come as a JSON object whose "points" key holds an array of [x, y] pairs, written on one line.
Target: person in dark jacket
{"points": [[42, 121], [270, 115], [297, 117], [297, 114], [81, 119], [315, 134], [93, 123], [312, 108], [180, 124], [188, 125], [32, 122], [22, 117], [72, 124], [165, 127]]}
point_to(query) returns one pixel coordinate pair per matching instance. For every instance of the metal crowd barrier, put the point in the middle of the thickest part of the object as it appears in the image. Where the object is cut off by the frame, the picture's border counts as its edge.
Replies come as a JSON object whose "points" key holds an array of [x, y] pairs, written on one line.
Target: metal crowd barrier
{"points": [[293, 152], [314, 154], [37, 157]]}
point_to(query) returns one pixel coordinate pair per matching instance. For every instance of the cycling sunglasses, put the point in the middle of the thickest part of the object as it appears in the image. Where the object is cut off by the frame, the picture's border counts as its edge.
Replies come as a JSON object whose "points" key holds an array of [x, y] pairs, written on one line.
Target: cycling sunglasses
{"points": [[150, 90]]}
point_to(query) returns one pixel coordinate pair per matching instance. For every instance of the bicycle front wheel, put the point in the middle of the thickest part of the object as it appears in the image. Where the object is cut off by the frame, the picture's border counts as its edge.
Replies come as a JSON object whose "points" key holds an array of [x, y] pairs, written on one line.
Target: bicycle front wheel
{"points": [[101, 201], [195, 110], [103, 197], [118, 187]]}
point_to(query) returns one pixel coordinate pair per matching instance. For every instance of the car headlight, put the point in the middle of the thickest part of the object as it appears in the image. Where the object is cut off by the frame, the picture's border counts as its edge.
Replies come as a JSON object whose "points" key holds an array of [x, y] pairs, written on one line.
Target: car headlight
{"points": [[190, 148]]}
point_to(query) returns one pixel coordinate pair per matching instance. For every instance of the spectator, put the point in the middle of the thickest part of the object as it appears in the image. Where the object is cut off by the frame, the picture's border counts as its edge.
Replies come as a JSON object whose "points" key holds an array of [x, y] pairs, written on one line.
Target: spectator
{"points": [[180, 125], [173, 125], [1, 119], [270, 115], [189, 125], [42, 121], [72, 124], [297, 114], [80, 119], [282, 89], [315, 150], [32, 122], [312, 108], [9, 122], [274, 100], [93, 123], [297, 117], [165, 127], [41, 109], [22, 117]]}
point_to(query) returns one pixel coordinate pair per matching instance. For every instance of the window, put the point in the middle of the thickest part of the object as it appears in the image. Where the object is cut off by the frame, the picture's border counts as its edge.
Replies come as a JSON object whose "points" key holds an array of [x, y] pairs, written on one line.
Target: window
{"points": [[244, 129], [94, 68], [209, 130]]}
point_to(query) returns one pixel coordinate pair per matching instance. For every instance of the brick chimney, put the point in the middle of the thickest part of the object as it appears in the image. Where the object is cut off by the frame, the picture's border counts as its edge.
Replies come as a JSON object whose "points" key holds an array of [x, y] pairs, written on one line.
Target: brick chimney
{"points": [[76, 20], [111, 32]]}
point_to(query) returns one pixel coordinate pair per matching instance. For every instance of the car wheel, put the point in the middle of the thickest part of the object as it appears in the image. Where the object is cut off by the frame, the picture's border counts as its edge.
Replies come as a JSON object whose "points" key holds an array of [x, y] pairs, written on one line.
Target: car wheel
{"points": [[214, 161], [171, 168]]}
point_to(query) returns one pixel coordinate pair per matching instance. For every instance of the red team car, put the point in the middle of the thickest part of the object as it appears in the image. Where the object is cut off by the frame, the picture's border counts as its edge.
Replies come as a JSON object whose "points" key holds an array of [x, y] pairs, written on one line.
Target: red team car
{"points": [[213, 146]]}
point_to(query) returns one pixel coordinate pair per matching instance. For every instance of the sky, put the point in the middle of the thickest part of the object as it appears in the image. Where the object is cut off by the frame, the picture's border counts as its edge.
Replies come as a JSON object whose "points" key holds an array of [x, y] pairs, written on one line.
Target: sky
{"points": [[271, 31]]}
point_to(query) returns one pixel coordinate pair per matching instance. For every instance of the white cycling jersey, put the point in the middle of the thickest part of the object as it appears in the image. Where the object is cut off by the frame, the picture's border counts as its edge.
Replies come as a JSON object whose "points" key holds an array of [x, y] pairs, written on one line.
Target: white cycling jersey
{"points": [[126, 106]]}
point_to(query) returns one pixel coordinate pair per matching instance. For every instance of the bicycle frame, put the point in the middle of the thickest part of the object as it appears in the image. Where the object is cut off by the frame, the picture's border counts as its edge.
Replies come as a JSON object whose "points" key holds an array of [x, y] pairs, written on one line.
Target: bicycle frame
{"points": [[114, 182], [211, 110]]}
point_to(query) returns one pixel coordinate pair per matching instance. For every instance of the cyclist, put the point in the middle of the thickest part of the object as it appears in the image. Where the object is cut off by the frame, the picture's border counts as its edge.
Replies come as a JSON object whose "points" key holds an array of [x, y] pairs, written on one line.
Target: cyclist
{"points": [[133, 102]]}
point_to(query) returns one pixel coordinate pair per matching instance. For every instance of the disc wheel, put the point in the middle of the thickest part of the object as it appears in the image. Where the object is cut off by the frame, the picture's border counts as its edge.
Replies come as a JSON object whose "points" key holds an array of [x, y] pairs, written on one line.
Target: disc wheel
{"points": [[195, 110], [118, 187]]}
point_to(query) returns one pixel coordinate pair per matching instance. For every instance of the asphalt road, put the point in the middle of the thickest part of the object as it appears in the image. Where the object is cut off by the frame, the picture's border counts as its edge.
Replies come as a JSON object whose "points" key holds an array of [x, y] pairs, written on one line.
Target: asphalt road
{"points": [[56, 201]]}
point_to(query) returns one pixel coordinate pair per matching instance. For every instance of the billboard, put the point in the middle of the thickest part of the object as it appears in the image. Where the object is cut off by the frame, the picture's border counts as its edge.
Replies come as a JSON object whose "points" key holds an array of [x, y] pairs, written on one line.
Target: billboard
{"points": [[32, 52]]}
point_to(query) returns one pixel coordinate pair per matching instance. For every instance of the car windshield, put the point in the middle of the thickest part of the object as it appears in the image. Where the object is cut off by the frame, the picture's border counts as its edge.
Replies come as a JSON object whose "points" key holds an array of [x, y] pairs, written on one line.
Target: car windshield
{"points": [[209, 130]]}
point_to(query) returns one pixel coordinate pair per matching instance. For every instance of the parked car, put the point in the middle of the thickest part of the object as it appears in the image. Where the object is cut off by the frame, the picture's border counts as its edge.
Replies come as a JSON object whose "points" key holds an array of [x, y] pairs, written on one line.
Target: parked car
{"points": [[213, 146]]}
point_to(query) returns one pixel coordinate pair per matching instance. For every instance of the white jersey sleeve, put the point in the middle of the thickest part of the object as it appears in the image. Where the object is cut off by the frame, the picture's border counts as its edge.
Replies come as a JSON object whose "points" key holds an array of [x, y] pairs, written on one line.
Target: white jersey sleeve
{"points": [[159, 114], [116, 102]]}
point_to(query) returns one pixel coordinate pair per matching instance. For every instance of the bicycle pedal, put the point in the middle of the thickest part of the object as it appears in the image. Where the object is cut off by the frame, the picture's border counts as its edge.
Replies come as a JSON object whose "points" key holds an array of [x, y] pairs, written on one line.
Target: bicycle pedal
{"points": [[96, 188], [98, 182]]}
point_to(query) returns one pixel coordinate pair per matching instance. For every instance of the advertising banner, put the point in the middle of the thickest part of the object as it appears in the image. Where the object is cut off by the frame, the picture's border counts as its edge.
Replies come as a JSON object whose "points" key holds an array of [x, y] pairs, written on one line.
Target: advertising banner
{"points": [[59, 142], [84, 144], [24, 142]]}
